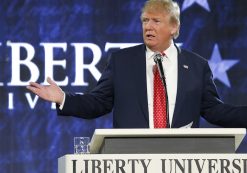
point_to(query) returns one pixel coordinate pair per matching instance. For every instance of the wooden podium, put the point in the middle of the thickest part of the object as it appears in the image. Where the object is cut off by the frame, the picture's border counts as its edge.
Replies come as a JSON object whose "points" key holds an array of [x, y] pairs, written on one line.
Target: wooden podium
{"points": [[159, 151]]}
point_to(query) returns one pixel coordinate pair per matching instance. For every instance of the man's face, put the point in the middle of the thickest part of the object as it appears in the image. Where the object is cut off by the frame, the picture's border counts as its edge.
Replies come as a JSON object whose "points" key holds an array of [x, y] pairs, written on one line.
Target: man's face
{"points": [[157, 30]]}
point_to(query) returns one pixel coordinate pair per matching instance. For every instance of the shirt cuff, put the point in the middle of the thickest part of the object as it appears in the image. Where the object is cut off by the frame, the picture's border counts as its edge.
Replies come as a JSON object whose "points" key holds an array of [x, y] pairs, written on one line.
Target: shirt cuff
{"points": [[62, 104]]}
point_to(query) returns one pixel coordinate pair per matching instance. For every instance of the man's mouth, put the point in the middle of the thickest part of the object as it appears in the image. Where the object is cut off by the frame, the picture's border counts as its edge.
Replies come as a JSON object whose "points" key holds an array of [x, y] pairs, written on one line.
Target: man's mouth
{"points": [[150, 36]]}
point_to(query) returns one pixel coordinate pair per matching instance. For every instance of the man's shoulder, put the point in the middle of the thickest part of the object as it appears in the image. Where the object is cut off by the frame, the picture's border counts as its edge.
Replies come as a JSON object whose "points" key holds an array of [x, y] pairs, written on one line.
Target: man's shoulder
{"points": [[131, 50], [192, 56]]}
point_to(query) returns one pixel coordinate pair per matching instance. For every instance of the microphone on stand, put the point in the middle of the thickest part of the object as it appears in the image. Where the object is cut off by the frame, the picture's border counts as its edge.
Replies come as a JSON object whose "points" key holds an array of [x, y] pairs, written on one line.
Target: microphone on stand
{"points": [[158, 58]]}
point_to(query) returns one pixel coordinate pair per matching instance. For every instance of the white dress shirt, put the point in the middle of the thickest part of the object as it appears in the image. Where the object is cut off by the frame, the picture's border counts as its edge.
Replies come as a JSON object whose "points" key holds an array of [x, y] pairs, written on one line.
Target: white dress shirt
{"points": [[170, 66]]}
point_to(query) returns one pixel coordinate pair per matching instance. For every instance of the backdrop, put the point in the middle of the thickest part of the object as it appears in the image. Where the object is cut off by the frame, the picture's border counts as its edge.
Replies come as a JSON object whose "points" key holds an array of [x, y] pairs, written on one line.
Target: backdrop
{"points": [[70, 41]]}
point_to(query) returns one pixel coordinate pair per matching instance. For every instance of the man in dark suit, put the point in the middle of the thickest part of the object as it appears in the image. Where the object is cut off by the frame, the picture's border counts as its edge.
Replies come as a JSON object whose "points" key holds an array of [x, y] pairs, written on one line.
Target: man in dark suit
{"points": [[126, 85]]}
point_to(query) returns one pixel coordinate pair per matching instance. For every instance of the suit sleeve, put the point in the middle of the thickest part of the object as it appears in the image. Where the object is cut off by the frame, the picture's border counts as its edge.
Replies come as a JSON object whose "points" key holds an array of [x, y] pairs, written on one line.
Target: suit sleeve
{"points": [[94, 104], [217, 112]]}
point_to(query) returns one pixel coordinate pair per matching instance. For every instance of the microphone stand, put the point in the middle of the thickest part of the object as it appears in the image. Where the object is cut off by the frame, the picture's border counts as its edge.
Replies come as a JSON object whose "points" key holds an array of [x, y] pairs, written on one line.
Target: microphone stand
{"points": [[158, 58]]}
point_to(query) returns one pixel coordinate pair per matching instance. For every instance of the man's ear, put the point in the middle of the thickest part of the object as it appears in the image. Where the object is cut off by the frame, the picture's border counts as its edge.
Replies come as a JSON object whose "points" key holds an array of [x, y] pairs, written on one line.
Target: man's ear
{"points": [[175, 28]]}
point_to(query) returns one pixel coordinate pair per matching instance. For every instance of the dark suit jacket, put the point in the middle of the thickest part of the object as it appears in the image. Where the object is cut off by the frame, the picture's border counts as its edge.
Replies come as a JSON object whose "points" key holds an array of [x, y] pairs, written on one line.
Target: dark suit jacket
{"points": [[122, 87]]}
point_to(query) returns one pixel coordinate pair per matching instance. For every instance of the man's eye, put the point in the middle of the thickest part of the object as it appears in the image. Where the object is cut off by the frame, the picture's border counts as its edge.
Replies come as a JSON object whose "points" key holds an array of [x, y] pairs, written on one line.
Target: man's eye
{"points": [[144, 20], [157, 21]]}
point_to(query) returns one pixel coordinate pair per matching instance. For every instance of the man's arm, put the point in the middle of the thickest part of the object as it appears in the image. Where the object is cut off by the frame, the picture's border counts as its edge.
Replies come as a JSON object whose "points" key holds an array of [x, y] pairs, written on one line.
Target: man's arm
{"points": [[96, 103], [217, 112]]}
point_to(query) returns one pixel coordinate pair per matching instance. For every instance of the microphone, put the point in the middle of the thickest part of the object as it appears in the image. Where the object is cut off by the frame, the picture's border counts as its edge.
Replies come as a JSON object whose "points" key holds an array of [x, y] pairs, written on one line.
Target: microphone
{"points": [[158, 58]]}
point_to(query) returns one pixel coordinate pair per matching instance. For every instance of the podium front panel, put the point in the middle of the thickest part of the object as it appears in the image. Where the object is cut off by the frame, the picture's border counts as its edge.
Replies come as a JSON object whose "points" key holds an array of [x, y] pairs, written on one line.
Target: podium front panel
{"points": [[168, 145]]}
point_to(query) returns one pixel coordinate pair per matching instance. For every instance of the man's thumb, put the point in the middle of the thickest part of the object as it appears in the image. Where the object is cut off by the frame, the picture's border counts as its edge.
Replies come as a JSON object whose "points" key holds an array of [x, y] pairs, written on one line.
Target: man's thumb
{"points": [[50, 81]]}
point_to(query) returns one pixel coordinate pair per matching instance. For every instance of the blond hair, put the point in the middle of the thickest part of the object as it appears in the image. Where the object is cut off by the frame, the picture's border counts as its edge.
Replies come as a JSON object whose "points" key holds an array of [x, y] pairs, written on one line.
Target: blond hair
{"points": [[168, 6]]}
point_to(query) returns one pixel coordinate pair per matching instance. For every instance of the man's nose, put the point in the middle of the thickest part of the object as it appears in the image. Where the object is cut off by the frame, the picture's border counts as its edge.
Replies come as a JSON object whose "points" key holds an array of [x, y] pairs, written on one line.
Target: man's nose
{"points": [[148, 25]]}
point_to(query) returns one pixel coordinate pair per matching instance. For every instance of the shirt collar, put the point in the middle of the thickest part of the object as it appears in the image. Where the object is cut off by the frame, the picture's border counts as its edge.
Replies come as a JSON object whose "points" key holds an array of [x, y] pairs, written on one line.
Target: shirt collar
{"points": [[169, 52], [149, 53]]}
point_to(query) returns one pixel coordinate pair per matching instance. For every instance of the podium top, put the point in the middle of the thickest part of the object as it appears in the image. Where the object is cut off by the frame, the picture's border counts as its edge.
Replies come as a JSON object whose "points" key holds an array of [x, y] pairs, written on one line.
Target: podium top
{"points": [[100, 134]]}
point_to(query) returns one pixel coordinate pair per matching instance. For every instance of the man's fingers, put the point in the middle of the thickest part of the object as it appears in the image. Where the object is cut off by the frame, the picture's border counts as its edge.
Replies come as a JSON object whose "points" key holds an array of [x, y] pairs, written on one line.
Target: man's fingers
{"points": [[33, 89], [35, 85]]}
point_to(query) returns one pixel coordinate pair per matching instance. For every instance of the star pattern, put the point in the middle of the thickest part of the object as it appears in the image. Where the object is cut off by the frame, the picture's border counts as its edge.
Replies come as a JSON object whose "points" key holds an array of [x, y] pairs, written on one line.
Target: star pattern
{"points": [[220, 67], [202, 3]]}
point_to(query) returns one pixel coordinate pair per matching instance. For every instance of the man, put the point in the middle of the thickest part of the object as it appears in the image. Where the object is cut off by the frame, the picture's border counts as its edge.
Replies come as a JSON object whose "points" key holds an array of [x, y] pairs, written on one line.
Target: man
{"points": [[127, 84]]}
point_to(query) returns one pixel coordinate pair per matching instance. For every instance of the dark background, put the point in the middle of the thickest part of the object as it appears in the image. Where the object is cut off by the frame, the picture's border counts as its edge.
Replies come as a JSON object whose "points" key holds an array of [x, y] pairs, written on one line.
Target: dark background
{"points": [[33, 138]]}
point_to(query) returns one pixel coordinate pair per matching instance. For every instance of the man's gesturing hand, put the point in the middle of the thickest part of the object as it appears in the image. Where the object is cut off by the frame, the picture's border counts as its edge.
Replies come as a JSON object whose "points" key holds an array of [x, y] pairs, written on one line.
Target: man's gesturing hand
{"points": [[50, 92]]}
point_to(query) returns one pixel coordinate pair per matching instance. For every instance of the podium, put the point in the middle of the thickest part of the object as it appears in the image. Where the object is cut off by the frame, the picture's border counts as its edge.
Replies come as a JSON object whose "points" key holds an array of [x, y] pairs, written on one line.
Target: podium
{"points": [[159, 151], [137, 141]]}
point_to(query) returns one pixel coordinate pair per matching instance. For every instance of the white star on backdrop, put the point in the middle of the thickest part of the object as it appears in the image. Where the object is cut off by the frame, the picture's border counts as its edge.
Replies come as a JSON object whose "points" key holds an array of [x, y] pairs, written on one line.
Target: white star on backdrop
{"points": [[219, 66], [202, 3]]}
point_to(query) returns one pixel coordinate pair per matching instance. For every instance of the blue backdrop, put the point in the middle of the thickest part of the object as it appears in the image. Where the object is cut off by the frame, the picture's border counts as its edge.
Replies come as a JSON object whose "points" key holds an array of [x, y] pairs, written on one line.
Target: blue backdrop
{"points": [[70, 40]]}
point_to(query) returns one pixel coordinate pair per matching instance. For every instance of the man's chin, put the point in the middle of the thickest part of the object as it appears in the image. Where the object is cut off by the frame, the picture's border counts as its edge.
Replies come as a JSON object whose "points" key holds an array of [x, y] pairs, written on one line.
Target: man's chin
{"points": [[149, 45]]}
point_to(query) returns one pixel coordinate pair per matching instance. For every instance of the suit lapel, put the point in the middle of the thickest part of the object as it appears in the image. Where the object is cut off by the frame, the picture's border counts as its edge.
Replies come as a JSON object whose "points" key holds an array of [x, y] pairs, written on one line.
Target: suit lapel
{"points": [[183, 68], [141, 81]]}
